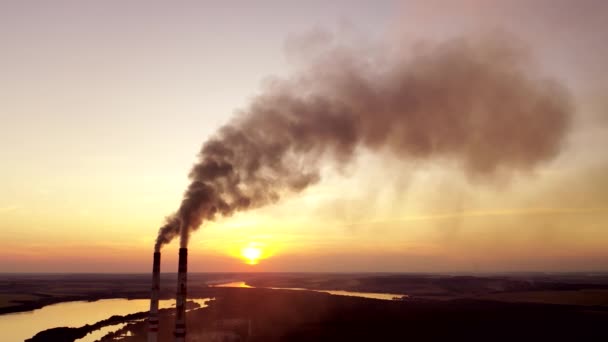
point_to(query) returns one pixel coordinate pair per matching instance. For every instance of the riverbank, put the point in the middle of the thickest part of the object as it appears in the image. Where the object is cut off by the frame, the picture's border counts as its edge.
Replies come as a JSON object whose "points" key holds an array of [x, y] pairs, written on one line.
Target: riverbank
{"points": [[71, 334], [265, 315]]}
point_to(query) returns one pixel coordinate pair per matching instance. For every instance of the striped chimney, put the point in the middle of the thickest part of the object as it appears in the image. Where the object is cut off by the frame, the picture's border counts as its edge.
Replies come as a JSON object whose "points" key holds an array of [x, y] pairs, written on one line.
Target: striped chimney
{"points": [[153, 319], [180, 305]]}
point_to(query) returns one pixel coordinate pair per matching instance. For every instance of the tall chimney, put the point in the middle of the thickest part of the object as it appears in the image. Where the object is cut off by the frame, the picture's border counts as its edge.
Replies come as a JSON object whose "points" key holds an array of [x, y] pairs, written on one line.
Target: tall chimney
{"points": [[180, 305], [153, 319]]}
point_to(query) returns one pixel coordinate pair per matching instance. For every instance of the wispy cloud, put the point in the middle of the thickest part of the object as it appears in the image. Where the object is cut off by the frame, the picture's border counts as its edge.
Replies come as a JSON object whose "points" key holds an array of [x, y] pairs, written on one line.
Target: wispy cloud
{"points": [[490, 213]]}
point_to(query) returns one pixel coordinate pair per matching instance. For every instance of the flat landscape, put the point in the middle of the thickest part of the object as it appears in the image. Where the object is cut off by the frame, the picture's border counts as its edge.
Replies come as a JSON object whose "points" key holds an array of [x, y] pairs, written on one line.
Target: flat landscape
{"points": [[538, 304], [370, 170]]}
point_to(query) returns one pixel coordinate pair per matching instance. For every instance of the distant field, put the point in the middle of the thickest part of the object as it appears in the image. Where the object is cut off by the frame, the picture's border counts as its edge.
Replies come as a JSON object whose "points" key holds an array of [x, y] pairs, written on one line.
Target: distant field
{"points": [[8, 300], [582, 297]]}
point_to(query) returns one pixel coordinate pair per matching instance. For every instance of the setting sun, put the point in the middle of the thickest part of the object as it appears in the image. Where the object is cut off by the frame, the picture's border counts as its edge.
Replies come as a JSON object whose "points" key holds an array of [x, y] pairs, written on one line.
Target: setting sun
{"points": [[251, 254]]}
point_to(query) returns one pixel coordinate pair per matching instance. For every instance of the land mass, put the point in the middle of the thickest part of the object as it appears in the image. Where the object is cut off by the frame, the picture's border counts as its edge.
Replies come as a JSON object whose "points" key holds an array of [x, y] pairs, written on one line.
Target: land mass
{"points": [[471, 307], [281, 315]]}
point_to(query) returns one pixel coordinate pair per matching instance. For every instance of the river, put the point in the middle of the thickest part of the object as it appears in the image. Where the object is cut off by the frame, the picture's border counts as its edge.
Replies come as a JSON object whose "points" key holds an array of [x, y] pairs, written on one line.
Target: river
{"points": [[16, 327], [374, 295]]}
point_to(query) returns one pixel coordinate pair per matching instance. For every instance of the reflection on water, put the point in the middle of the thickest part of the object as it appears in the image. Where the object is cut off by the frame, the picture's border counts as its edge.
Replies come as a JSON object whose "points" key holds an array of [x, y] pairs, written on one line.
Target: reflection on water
{"points": [[383, 296], [17, 327], [98, 334], [200, 301], [233, 284], [374, 295]]}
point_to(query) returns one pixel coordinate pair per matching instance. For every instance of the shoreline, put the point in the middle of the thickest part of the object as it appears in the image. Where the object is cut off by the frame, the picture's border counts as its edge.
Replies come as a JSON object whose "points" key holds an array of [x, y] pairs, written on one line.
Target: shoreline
{"points": [[43, 302]]}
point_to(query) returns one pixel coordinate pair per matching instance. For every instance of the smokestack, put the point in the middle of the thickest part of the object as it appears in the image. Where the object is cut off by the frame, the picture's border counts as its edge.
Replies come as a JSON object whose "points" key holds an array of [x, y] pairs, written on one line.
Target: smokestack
{"points": [[153, 319], [180, 305]]}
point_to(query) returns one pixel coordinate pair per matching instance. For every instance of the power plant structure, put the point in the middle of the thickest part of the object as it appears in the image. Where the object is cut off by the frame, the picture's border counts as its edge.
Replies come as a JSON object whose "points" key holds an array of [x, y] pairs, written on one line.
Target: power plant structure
{"points": [[180, 304], [181, 297], [153, 318]]}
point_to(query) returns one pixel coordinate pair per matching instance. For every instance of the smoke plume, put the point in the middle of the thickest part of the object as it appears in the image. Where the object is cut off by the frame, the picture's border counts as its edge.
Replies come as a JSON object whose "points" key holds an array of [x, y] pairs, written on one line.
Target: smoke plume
{"points": [[479, 102]]}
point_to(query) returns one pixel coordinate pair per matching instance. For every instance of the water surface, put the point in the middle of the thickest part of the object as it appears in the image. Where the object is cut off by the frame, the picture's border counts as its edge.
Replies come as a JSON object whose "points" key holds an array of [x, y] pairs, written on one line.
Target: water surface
{"points": [[240, 284], [374, 295], [16, 327]]}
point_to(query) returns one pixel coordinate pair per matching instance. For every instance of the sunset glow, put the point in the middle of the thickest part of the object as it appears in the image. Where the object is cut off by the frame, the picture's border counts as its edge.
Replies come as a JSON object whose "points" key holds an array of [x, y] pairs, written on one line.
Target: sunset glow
{"points": [[251, 254], [304, 170], [105, 111]]}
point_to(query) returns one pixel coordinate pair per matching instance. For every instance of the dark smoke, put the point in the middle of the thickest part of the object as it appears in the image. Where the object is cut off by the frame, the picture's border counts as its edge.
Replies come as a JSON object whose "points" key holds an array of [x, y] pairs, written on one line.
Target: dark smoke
{"points": [[167, 232], [478, 102]]}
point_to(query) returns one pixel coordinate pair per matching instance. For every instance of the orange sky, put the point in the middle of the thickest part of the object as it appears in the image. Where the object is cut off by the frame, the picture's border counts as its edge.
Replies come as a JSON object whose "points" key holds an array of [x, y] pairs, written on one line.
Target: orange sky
{"points": [[104, 107]]}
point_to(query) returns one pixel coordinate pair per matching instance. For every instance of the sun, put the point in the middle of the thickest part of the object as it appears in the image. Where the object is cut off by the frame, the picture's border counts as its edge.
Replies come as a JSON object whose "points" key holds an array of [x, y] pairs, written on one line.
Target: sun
{"points": [[251, 254]]}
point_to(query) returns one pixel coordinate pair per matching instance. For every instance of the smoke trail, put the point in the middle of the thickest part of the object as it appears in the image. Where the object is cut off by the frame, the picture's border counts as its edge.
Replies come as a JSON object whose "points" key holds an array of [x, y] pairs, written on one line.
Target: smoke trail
{"points": [[167, 232], [478, 102]]}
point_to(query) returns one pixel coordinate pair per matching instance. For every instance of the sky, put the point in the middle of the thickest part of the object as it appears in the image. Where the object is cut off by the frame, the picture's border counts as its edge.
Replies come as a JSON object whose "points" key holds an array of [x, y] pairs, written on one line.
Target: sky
{"points": [[105, 105]]}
